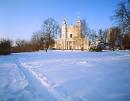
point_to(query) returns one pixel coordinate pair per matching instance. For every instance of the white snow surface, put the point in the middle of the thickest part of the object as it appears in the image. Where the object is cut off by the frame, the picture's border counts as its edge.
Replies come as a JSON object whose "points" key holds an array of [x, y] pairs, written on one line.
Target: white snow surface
{"points": [[65, 76]]}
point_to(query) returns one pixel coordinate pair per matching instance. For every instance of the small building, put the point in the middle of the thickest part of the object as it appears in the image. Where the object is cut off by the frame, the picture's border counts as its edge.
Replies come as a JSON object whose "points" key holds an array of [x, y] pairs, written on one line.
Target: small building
{"points": [[71, 38]]}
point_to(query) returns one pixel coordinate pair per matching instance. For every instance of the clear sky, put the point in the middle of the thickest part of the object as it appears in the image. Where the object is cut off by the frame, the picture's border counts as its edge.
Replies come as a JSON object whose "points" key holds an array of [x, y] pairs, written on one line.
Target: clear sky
{"points": [[20, 18]]}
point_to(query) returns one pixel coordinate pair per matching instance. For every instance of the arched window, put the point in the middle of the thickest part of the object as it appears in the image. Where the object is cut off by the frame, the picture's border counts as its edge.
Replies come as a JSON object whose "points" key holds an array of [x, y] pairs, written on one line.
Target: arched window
{"points": [[70, 35]]}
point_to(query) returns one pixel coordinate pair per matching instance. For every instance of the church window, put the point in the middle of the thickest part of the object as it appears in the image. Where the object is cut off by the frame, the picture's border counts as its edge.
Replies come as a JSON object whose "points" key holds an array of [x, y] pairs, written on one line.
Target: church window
{"points": [[70, 35]]}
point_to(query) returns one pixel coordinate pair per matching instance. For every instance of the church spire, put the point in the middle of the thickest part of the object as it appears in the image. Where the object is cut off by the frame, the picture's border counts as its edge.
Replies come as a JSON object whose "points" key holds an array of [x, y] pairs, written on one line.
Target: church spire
{"points": [[64, 29], [79, 25], [64, 21], [78, 21]]}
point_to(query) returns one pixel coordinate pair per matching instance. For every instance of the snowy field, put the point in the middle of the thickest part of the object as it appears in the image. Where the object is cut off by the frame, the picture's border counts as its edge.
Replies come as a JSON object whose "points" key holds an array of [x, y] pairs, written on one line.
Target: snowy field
{"points": [[65, 76]]}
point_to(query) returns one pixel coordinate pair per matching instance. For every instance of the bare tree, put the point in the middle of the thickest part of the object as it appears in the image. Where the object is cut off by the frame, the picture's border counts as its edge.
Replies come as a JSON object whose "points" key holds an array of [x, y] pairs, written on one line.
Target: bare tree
{"points": [[22, 45], [92, 36], [126, 41], [84, 31], [122, 16], [114, 38], [105, 36], [20, 42], [38, 40], [50, 29], [100, 33], [83, 27]]}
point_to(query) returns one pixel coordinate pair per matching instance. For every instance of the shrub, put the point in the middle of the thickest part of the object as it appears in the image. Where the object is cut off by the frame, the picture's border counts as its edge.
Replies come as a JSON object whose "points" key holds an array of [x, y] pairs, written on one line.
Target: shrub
{"points": [[97, 46], [126, 41], [5, 46], [22, 46]]}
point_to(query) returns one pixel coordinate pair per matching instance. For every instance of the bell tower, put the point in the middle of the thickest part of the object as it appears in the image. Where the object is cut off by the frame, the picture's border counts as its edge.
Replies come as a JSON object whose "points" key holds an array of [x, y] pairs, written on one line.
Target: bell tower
{"points": [[79, 21], [64, 30], [79, 26]]}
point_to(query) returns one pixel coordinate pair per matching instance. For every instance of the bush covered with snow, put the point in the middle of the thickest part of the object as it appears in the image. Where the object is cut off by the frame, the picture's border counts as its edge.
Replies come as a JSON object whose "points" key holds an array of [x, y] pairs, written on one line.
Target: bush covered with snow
{"points": [[97, 46]]}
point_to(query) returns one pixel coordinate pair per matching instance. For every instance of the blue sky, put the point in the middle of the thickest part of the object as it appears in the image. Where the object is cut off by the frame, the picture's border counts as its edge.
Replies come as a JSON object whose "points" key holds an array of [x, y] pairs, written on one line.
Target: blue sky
{"points": [[20, 18]]}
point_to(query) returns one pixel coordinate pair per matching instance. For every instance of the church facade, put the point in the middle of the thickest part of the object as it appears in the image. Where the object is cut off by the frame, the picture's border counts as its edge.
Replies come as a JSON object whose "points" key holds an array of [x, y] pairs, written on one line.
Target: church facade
{"points": [[71, 38]]}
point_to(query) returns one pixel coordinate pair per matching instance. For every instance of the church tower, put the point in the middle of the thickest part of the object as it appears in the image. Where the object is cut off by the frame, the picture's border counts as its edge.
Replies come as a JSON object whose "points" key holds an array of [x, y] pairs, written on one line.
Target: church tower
{"points": [[79, 25], [64, 30], [79, 21]]}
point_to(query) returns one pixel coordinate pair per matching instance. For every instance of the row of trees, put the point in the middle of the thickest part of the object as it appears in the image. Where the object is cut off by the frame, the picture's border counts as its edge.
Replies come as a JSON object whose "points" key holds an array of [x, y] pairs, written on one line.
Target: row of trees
{"points": [[42, 39], [111, 39], [117, 37]]}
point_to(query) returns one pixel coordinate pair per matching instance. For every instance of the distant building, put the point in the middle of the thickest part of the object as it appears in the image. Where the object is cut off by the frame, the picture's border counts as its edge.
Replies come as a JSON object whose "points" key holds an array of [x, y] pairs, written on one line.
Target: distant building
{"points": [[71, 38]]}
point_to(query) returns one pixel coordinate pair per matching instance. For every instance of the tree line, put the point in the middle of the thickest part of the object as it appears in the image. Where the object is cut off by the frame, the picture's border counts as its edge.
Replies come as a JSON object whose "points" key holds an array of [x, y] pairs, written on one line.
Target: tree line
{"points": [[40, 40], [116, 37]]}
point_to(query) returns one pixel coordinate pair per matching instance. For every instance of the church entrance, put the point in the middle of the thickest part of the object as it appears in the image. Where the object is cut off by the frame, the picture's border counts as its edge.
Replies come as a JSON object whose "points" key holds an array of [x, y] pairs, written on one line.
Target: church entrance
{"points": [[70, 45]]}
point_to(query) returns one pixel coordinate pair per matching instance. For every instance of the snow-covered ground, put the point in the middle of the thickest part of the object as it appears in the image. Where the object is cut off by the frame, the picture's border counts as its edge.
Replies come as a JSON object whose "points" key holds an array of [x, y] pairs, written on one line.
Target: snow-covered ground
{"points": [[65, 76]]}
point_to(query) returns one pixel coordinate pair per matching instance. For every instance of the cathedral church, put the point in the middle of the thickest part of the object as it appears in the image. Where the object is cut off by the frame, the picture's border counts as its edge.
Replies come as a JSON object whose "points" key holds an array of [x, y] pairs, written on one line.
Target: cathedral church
{"points": [[71, 38]]}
